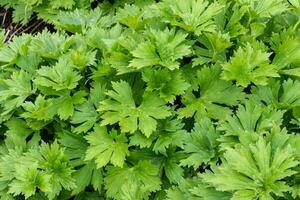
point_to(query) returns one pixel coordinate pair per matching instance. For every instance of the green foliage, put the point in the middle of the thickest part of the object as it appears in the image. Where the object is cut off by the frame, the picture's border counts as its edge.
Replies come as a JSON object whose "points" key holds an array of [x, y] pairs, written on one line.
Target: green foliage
{"points": [[254, 171], [122, 108], [106, 147], [134, 100], [135, 182], [249, 65]]}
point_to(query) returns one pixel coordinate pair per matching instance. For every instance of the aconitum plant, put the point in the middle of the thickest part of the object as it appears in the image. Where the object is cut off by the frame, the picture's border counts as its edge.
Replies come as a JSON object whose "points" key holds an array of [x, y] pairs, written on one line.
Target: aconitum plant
{"points": [[134, 100]]}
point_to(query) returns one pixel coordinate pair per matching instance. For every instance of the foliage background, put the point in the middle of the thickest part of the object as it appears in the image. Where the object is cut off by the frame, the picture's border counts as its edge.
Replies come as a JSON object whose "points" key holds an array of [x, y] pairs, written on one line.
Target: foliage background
{"points": [[172, 99]]}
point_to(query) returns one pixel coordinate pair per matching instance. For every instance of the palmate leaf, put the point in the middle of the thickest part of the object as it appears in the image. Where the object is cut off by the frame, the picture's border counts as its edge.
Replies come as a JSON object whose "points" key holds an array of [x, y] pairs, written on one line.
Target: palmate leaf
{"points": [[249, 65], [252, 116], [121, 108], [106, 147], [286, 45], [284, 96], [253, 172], [168, 83], [201, 145], [135, 182], [59, 77], [65, 104], [131, 16], [28, 181], [47, 45], [171, 165], [195, 189], [16, 90], [18, 46], [75, 148], [68, 4], [196, 16], [182, 191], [41, 109], [169, 134], [55, 163], [81, 20], [165, 48], [85, 115], [42, 168], [169, 161], [17, 134], [265, 8], [250, 121], [213, 92], [214, 50]]}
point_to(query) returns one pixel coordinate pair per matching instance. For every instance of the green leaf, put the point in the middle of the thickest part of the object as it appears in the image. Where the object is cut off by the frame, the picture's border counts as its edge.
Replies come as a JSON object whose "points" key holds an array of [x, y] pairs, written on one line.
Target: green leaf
{"points": [[250, 120], [265, 8], [201, 144], [215, 46], [169, 134], [59, 77], [48, 45], [75, 148], [286, 45], [56, 164], [122, 108], [16, 90], [41, 109], [135, 182], [17, 133], [255, 169], [68, 4], [80, 20], [168, 83], [213, 92], [85, 115], [195, 16], [18, 46], [65, 104], [249, 65], [283, 96], [131, 16], [165, 48], [106, 147], [83, 177], [28, 181]]}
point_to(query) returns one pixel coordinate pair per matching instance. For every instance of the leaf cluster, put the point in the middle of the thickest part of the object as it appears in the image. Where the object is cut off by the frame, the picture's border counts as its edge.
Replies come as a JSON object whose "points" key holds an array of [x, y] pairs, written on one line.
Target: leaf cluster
{"points": [[133, 100]]}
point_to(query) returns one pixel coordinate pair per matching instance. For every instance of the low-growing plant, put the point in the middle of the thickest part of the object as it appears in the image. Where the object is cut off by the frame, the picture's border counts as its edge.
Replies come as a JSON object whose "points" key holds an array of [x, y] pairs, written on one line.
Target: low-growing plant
{"points": [[133, 100]]}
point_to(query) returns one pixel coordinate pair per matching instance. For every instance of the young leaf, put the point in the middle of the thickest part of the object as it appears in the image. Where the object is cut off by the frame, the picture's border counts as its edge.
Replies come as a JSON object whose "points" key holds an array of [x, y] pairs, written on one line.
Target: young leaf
{"points": [[201, 144], [28, 181], [121, 108], [254, 170], [168, 83], [59, 77], [16, 90], [249, 65], [41, 109], [165, 48], [106, 147], [135, 182], [196, 16], [55, 163], [213, 92], [85, 115]]}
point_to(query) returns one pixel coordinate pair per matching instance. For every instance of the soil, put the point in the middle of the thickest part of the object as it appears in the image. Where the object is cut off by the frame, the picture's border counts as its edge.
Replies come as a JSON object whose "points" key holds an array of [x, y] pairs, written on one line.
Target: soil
{"points": [[13, 29]]}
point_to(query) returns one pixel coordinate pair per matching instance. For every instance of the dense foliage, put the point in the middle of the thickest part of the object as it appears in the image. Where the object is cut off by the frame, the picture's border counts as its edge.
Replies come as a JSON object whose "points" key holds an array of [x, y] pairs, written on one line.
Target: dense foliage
{"points": [[132, 100]]}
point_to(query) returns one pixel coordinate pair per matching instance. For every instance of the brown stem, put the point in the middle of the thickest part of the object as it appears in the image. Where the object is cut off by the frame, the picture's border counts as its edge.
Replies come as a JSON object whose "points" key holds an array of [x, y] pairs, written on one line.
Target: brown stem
{"points": [[4, 18], [36, 27], [33, 26]]}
